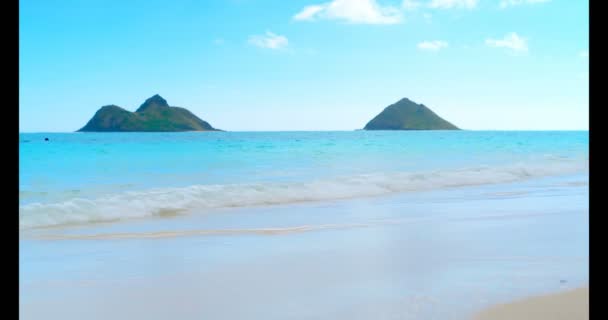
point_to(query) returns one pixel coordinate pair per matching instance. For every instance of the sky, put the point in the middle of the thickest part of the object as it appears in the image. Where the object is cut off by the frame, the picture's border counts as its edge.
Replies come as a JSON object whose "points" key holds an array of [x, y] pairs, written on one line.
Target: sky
{"points": [[262, 65]]}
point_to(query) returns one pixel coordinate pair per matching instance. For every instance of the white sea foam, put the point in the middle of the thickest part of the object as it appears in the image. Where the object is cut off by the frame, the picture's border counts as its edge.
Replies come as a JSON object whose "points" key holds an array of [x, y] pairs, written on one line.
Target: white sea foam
{"points": [[170, 201]]}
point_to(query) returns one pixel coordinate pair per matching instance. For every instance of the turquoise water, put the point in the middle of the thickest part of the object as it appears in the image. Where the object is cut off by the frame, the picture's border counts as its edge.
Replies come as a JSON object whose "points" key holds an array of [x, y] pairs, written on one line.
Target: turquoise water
{"points": [[298, 225], [77, 178]]}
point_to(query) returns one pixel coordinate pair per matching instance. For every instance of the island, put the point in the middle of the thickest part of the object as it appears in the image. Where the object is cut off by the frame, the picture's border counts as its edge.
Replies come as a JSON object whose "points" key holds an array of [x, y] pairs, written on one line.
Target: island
{"points": [[406, 114], [154, 115]]}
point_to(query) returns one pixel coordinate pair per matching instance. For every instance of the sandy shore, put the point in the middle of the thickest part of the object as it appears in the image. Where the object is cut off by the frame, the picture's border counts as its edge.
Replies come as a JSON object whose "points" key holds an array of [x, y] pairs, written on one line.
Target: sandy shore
{"points": [[568, 305], [427, 255]]}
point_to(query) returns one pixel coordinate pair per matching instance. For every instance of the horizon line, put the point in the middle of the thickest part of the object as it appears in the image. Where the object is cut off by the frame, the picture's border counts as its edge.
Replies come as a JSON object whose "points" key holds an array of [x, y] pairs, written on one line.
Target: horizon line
{"points": [[343, 130]]}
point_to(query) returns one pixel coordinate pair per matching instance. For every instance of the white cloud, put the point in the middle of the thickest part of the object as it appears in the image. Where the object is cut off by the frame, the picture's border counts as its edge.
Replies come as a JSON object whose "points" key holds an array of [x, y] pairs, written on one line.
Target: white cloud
{"points": [[448, 4], [219, 41], [353, 11], [511, 41], [410, 4], [584, 54], [308, 13], [269, 41], [432, 45], [509, 3]]}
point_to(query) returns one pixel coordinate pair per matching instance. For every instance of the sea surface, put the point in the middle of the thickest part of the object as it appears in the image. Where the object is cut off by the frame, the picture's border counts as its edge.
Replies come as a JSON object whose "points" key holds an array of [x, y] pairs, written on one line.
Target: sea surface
{"points": [[298, 225]]}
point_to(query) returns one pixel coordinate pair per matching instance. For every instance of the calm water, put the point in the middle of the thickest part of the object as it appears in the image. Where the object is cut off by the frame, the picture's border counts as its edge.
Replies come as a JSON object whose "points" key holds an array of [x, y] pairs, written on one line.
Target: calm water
{"points": [[298, 225]]}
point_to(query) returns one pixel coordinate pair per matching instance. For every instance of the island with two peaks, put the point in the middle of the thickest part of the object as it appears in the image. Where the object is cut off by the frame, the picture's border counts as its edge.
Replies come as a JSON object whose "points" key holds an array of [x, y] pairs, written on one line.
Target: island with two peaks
{"points": [[405, 114], [154, 115]]}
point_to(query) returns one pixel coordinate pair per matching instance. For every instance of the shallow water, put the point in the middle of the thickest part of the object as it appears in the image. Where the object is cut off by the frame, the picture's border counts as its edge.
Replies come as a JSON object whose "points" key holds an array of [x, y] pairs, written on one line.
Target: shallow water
{"points": [[429, 255], [421, 225]]}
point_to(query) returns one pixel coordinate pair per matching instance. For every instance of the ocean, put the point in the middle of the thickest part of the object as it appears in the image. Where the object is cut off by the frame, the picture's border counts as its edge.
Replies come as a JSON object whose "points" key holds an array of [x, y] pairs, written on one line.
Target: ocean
{"points": [[298, 225]]}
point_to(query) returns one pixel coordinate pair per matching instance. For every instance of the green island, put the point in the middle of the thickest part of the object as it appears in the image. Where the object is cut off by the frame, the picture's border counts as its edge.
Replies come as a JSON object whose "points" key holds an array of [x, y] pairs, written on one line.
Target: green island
{"points": [[154, 115], [408, 115]]}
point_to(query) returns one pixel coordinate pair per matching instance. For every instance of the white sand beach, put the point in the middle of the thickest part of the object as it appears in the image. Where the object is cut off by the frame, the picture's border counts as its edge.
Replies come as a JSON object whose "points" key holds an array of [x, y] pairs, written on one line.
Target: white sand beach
{"points": [[568, 305]]}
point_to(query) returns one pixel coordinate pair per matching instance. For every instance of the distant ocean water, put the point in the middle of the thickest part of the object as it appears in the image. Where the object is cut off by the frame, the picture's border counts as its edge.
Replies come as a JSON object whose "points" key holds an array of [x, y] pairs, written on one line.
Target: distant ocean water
{"points": [[79, 178]]}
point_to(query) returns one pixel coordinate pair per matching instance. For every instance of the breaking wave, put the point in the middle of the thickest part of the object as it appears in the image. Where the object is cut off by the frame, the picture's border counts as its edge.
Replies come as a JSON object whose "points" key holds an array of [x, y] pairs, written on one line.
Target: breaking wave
{"points": [[173, 201]]}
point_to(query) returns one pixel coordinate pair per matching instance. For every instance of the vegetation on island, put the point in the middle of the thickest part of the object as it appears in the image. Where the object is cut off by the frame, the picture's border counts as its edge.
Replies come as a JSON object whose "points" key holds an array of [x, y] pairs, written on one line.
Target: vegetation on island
{"points": [[154, 115], [408, 115]]}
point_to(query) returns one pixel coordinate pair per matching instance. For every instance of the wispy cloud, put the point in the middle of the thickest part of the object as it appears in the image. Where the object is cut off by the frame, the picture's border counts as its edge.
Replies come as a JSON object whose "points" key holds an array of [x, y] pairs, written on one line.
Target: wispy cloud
{"points": [[269, 40], [435, 45], [510, 3], [584, 54], [449, 4], [511, 41], [370, 12], [309, 13], [352, 11]]}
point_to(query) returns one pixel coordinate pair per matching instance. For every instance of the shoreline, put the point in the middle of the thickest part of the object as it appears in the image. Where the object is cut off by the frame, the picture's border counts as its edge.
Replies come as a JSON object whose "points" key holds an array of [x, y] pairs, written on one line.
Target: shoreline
{"points": [[444, 254], [572, 304]]}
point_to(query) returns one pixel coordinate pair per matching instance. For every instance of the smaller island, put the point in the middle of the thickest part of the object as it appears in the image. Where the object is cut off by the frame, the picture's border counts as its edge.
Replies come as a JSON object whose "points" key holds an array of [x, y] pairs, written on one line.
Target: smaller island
{"points": [[405, 114], [154, 115]]}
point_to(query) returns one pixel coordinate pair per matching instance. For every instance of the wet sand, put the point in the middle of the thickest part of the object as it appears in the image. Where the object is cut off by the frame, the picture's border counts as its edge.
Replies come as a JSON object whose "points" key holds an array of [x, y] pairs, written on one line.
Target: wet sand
{"points": [[445, 254]]}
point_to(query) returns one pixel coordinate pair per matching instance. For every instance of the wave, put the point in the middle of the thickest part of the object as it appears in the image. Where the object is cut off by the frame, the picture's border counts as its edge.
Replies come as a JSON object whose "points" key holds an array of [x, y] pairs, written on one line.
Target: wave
{"points": [[174, 201]]}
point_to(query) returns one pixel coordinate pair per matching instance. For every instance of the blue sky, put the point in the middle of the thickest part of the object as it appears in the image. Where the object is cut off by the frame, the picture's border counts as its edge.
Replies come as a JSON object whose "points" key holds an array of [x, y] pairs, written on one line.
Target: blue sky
{"points": [[264, 65]]}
